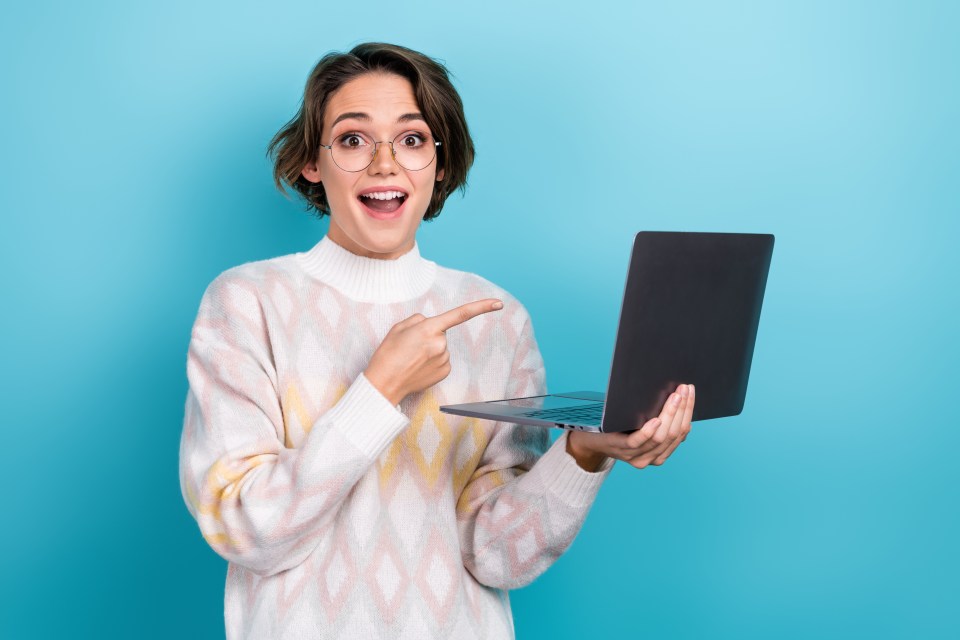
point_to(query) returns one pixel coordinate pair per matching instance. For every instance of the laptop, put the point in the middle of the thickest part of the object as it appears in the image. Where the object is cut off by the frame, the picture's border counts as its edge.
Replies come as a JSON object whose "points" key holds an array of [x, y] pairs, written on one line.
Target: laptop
{"points": [[690, 312]]}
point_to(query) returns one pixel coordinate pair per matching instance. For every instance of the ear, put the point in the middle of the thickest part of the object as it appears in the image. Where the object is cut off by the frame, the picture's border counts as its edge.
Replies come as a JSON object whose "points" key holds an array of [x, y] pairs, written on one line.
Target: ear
{"points": [[312, 172], [440, 175]]}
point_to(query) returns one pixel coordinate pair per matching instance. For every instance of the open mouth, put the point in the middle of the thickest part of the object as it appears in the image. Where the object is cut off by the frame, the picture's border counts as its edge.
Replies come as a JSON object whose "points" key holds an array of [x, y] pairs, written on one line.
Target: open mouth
{"points": [[383, 201]]}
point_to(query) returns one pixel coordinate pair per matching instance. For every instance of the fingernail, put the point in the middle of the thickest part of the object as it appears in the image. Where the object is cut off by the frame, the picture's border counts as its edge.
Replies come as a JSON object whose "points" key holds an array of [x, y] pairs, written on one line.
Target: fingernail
{"points": [[497, 305], [676, 399], [691, 389], [684, 391]]}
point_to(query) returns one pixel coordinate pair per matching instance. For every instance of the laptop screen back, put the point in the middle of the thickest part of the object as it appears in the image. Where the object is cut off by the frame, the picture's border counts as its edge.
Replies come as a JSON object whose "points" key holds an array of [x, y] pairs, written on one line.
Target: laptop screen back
{"points": [[690, 314]]}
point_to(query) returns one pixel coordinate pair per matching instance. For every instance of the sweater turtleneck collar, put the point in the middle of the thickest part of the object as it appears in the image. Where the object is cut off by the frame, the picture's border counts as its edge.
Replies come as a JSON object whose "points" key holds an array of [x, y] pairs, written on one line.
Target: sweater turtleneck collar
{"points": [[369, 279]]}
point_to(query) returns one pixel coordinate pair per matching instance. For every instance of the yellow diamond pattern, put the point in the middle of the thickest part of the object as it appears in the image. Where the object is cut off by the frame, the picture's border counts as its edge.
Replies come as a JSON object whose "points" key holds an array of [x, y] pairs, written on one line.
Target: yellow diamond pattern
{"points": [[472, 430], [428, 416]]}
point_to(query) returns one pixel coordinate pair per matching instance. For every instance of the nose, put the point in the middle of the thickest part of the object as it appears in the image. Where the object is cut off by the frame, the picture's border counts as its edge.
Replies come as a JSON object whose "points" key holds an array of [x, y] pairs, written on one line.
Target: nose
{"points": [[383, 161]]}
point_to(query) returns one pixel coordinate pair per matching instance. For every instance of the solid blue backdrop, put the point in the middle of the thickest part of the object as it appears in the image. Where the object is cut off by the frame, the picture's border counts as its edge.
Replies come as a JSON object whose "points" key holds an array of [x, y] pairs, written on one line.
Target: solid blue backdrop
{"points": [[133, 173]]}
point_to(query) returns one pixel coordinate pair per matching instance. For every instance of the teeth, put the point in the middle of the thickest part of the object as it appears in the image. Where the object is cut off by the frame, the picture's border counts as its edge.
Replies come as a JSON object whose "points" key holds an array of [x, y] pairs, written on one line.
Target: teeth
{"points": [[384, 195]]}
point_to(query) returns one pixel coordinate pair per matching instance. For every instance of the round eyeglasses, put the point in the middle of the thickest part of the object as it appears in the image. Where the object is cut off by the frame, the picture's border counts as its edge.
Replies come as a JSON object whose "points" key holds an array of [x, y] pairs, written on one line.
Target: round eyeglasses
{"points": [[355, 151]]}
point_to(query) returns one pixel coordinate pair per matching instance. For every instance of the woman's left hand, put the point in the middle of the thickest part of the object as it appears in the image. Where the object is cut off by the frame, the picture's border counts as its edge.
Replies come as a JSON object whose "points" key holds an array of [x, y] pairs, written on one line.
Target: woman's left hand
{"points": [[652, 443]]}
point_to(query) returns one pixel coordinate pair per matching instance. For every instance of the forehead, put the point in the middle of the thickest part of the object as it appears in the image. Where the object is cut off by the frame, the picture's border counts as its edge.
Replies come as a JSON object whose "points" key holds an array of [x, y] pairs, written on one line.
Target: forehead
{"points": [[384, 97]]}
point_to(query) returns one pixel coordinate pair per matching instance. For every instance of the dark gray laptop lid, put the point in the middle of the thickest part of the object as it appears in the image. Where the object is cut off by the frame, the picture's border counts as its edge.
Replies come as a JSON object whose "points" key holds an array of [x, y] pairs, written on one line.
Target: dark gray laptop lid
{"points": [[690, 313]]}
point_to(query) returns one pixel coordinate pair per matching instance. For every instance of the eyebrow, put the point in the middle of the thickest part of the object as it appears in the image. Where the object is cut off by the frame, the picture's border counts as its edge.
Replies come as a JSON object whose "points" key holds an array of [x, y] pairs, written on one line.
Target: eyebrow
{"points": [[359, 115]]}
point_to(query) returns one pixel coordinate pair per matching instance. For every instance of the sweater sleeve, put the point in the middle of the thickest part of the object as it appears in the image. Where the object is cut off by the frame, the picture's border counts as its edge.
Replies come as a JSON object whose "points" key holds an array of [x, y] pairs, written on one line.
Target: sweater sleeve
{"points": [[258, 503], [526, 502]]}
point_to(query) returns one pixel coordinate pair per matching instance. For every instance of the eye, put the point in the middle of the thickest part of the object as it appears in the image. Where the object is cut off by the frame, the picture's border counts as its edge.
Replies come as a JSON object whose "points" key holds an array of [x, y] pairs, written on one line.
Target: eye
{"points": [[351, 141], [411, 140]]}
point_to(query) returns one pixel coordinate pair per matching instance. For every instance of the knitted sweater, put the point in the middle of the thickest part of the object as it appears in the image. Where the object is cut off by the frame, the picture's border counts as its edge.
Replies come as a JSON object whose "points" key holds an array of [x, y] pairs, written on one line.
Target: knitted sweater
{"points": [[340, 514]]}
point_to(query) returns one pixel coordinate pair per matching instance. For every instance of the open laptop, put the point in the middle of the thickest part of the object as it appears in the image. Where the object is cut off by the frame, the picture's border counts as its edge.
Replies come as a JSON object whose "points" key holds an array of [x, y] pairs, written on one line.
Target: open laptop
{"points": [[690, 312]]}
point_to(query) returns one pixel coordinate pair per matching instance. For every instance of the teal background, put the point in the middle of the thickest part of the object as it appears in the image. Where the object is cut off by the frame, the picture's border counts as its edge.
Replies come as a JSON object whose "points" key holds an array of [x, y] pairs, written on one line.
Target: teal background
{"points": [[133, 172]]}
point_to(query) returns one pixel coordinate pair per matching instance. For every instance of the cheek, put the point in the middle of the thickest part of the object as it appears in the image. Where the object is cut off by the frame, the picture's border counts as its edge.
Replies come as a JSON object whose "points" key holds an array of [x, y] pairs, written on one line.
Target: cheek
{"points": [[338, 190], [426, 184]]}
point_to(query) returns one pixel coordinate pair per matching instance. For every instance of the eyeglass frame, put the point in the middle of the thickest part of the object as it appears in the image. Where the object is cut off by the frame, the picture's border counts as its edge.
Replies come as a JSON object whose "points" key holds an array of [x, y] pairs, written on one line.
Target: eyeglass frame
{"points": [[376, 148]]}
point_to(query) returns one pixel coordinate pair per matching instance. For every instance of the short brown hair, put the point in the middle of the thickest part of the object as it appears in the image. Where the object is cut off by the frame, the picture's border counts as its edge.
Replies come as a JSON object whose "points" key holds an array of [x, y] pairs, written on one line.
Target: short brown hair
{"points": [[298, 142]]}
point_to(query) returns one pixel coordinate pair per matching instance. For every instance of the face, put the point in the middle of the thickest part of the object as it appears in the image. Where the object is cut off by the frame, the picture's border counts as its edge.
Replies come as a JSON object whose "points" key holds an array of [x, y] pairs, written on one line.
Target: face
{"points": [[374, 212]]}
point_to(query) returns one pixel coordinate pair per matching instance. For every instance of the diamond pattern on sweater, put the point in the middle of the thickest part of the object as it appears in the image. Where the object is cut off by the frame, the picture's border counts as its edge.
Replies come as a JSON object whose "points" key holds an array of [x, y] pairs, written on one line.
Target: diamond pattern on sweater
{"points": [[292, 585], [437, 576], [282, 301], [328, 308], [387, 577], [417, 629], [409, 503], [365, 509], [337, 576], [471, 442], [525, 542], [296, 416], [429, 439]]}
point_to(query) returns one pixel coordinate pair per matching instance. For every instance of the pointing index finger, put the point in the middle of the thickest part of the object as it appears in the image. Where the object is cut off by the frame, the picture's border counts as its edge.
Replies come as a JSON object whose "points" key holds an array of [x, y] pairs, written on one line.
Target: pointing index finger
{"points": [[461, 314]]}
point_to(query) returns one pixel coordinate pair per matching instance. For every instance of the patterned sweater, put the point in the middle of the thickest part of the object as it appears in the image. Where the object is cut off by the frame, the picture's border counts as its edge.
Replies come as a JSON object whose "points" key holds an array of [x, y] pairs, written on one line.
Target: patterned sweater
{"points": [[340, 514]]}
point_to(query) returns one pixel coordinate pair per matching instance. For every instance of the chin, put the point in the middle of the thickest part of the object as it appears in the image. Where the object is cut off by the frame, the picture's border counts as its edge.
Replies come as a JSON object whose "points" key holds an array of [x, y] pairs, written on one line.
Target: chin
{"points": [[361, 234], [378, 243]]}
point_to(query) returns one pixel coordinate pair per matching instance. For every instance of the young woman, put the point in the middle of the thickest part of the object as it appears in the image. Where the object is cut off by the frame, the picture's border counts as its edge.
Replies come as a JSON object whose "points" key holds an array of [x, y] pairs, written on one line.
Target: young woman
{"points": [[314, 456]]}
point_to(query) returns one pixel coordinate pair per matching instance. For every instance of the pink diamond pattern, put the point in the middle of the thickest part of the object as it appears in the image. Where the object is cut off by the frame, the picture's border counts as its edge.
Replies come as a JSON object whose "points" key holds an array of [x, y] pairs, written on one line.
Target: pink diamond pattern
{"points": [[387, 577], [337, 575], [438, 576], [525, 542]]}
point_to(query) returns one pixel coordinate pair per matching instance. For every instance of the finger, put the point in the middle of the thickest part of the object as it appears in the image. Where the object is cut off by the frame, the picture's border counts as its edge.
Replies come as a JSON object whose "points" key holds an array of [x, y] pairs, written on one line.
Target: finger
{"points": [[665, 435], [682, 411], [688, 411], [668, 432], [676, 429], [662, 457], [643, 434], [676, 416], [659, 434], [461, 314]]}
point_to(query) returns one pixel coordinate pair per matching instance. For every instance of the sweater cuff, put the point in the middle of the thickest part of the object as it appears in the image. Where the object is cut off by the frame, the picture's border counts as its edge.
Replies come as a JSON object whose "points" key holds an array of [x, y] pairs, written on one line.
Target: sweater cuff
{"points": [[365, 418], [566, 479]]}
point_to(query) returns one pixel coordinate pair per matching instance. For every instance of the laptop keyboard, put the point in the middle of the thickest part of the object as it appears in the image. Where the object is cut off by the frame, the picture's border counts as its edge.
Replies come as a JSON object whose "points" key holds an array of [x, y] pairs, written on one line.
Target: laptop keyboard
{"points": [[588, 413]]}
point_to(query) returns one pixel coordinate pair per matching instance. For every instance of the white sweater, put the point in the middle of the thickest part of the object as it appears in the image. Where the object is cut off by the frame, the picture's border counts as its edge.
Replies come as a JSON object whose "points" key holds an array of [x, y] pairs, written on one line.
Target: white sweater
{"points": [[341, 515]]}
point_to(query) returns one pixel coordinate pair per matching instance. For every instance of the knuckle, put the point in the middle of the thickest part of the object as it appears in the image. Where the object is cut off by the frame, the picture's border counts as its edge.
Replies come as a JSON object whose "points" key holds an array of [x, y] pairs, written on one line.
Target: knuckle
{"points": [[423, 329]]}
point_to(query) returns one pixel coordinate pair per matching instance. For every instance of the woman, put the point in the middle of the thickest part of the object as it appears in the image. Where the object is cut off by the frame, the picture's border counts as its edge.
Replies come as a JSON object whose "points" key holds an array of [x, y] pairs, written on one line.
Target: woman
{"points": [[314, 456]]}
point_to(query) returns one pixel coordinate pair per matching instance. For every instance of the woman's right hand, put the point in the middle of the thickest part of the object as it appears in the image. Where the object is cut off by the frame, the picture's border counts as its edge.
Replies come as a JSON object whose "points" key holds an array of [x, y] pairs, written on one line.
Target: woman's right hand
{"points": [[413, 356]]}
